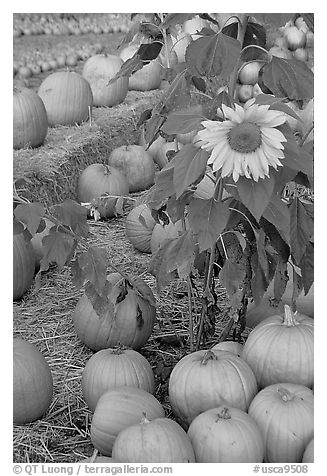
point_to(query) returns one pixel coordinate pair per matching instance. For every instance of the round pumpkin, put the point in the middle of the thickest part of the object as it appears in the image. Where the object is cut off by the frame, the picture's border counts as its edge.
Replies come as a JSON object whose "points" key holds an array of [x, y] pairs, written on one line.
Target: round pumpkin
{"points": [[226, 435], [136, 164], [145, 79], [67, 98], [23, 265], [284, 414], [110, 368], [308, 455], [117, 409], [161, 233], [139, 225], [207, 379], [98, 70], [154, 148], [30, 122], [99, 180], [280, 349], [32, 382], [229, 346], [129, 323], [158, 441]]}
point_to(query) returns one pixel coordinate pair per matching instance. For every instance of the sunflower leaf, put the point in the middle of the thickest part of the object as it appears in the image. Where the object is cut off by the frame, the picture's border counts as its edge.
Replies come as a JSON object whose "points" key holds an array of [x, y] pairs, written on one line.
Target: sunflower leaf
{"points": [[276, 19], [182, 122], [256, 195], [307, 267], [301, 229], [278, 214], [231, 276], [189, 164], [296, 157]]}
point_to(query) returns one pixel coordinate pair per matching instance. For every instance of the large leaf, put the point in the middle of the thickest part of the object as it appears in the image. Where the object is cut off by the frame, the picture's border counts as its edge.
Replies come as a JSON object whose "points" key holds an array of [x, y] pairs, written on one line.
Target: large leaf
{"points": [[296, 157], [259, 281], [181, 122], [278, 214], [207, 218], [214, 55], [162, 189], [176, 207], [100, 302], [93, 263], [255, 34], [280, 280], [307, 267], [256, 195], [175, 97], [176, 19], [189, 164], [30, 214], [152, 128], [231, 276], [276, 19], [73, 215], [288, 78], [275, 104], [301, 229], [180, 255], [57, 247]]}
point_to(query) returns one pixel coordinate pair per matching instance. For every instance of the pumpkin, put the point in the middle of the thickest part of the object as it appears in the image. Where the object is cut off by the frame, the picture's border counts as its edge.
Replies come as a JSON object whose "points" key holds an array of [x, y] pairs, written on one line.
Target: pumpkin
{"points": [[229, 346], [139, 225], [99, 180], [136, 164], [145, 79], [117, 409], [158, 441], [98, 70], [308, 455], [161, 233], [110, 368], [280, 349], [207, 379], [284, 414], [129, 323], [23, 265], [32, 382], [154, 147], [226, 435], [36, 240], [30, 122], [67, 98]]}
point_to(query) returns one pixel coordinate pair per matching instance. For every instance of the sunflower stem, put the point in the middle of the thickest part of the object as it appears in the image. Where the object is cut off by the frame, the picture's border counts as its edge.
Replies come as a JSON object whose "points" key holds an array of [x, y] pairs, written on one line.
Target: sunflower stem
{"points": [[189, 296]]}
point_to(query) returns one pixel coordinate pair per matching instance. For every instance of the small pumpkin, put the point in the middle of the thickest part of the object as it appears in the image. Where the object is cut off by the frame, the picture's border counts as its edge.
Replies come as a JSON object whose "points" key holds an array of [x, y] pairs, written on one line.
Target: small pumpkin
{"points": [[229, 346], [145, 79], [136, 164], [206, 379], [226, 435], [281, 349], [117, 409], [98, 180], [23, 265], [139, 225], [130, 323], [158, 441], [308, 455], [110, 368], [67, 98], [30, 122], [284, 414], [98, 70], [32, 382]]}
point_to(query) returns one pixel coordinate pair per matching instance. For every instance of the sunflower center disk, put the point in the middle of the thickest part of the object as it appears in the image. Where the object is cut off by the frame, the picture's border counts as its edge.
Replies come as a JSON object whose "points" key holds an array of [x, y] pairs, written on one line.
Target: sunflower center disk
{"points": [[245, 137]]}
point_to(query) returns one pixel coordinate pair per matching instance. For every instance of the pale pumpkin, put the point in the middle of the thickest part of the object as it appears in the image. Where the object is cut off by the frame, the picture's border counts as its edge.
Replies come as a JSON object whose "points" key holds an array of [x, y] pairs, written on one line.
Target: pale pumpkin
{"points": [[145, 79], [281, 349], [23, 265], [158, 441], [67, 98], [32, 382], [284, 414], [117, 409], [139, 225], [136, 164], [308, 455], [226, 435], [111, 368], [130, 323], [206, 379], [30, 121]]}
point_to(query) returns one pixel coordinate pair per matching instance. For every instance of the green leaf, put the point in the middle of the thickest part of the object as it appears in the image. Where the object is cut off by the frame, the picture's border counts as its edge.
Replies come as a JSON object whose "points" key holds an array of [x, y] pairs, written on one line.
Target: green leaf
{"points": [[255, 34], [158, 266], [175, 97], [181, 122], [73, 215], [301, 229], [93, 263], [231, 276], [162, 189], [275, 104], [307, 267], [296, 158], [57, 248], [189, 164], [176, 19], [152, 128], [259, 281], [142, 289], [30, 214], [276, 19], [207, 218], [78, 277], [18, 227], [278, 214], [261, 252], [288, 78], [214, 55], [100, 302], [176, 207], [280, 279], [256, 195], [180, 254]]}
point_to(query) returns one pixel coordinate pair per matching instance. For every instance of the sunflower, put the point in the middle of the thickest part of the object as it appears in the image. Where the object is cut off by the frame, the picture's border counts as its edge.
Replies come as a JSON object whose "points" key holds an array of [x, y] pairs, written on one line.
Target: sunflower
{"points": [[246, 143]]}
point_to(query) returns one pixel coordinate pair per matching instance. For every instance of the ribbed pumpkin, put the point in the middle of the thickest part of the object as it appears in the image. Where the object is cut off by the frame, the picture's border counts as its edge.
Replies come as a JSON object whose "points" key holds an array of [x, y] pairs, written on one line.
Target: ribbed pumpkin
{"points": [[145, 79], [30, 122], [280, 349], [226, 435], [130, 323], [206, 379], [284, 414], [229, 346], [308, 455], [23, 265], [117, 409], [67, 98], [98, 70], [136, 164], [158, 441], [161, 233], [98, 180], [32, 382], [139, 225], [110, 368]]}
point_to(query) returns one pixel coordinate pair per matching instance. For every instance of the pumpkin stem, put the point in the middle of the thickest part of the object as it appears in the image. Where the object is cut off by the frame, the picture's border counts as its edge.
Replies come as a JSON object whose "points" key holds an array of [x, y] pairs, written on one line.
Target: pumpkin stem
{"points": [[224, 414], [289, 319], [209, 355], [144, 419], [285, 394]]}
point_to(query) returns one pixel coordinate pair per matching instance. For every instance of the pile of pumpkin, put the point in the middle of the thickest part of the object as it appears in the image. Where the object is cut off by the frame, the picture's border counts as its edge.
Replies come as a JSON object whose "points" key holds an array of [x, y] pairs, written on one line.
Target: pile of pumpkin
{"points": [[232, 403]]}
